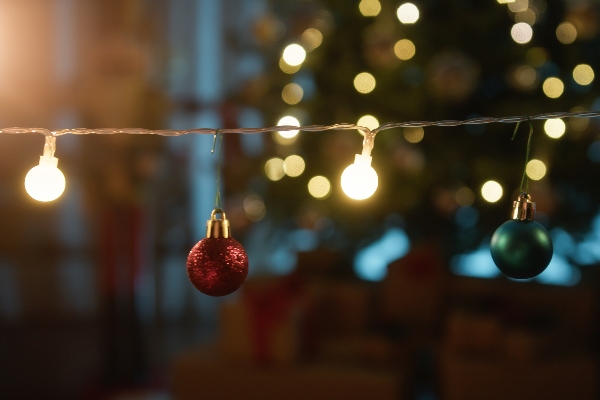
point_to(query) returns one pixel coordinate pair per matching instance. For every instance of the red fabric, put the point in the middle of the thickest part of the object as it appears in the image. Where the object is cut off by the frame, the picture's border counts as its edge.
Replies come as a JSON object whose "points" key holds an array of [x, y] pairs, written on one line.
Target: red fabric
{"points": [[120, 248], [268, 307]]}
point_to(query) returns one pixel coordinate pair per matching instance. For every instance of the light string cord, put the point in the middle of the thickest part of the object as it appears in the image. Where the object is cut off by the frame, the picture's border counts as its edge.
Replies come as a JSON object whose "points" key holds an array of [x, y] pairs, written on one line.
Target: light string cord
{"points": [[308, 128], [525, 179], [218, 143]]}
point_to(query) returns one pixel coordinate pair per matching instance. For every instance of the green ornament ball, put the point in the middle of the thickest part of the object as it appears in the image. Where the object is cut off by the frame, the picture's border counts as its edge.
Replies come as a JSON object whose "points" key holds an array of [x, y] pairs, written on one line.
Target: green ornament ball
{"points": [[521, 249]]}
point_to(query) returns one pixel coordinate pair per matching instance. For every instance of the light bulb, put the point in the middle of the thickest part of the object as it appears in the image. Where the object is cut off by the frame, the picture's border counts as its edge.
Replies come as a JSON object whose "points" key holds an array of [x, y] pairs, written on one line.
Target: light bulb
{"points": [[359, 180], [45, 182]]}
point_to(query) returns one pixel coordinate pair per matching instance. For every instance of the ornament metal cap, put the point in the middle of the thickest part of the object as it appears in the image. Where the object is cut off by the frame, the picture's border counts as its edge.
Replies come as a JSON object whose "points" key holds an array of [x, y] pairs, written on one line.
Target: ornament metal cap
{"points": [[217, 228], [524, 208]]}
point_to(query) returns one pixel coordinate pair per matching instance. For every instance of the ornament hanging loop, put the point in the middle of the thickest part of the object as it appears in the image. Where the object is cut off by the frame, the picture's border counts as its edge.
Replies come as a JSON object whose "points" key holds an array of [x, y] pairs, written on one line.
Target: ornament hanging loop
{"points": [[523, 208], [218, 228]]}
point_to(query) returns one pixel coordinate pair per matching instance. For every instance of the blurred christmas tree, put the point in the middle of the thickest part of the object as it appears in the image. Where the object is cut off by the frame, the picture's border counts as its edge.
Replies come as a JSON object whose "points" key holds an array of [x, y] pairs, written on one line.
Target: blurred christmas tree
{"points": [[447, 60]]}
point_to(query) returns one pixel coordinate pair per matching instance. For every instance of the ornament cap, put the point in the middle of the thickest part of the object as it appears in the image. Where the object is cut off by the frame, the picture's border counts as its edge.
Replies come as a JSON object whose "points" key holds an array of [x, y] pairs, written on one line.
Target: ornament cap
{"points": [[524, 208], [217, 228]]}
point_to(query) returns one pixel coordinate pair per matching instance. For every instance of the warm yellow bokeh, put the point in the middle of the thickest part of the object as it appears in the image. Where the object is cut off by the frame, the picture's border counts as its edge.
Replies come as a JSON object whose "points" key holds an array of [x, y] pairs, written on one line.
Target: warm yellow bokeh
{"points": [[555, 128], [319, 187], [413, 134], [294, 55], [274, 169], [294, 166], [288, 120], [566, 33], [311, 39], [404, 49], [292, 93], [491, 191], [364, 82], [288, 69], [368, 121], [583, 74], [518, 5], [408, 13], [553, 87], [369, 8], [521, 33], [528, 16], [255, 207], [284, 141], [535, 169]]}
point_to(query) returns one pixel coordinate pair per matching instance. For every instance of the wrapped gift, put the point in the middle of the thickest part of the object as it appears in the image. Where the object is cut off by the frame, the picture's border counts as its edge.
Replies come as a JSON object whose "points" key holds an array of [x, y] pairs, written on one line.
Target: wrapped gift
{"points": [[465, 377], [270, 323], [198, 374], [413, 291]]}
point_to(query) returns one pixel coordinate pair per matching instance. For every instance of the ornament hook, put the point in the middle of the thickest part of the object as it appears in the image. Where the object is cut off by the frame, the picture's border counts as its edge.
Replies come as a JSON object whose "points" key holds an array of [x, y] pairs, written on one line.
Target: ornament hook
{"points": [[524, 208], [218, 228]]}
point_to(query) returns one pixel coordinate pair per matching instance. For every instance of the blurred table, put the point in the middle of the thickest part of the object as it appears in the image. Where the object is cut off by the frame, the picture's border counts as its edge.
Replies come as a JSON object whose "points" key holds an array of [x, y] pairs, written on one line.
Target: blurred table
{"points": [[201, 374]]}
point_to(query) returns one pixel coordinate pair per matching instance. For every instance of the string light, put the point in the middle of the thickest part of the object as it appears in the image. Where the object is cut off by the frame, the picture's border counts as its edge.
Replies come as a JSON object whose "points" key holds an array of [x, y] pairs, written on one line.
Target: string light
{"points": [[360, 174], [45, 182], [359, 180]]}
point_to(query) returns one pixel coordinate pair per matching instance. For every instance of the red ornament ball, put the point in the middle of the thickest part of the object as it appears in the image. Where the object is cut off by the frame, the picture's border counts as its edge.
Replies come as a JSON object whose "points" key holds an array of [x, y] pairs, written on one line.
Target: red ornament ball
{"points": [[217, 266]]}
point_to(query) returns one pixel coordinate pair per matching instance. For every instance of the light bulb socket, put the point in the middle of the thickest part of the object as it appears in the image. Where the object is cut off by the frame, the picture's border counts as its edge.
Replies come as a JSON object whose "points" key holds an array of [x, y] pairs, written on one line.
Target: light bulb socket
{"points": [[50, 146], [48, 161], [523, 208], [362, 159], [218, 228]]}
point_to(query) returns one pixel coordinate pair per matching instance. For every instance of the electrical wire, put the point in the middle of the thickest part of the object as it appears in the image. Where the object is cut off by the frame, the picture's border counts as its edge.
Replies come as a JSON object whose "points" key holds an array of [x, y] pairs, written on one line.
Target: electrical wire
{"points": [[309, 128]]}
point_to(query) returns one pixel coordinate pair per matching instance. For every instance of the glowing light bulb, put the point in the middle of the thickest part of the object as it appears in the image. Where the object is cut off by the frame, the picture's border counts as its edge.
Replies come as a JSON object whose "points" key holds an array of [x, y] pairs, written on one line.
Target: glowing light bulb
{"points": [[359, 180], [45, 182]]}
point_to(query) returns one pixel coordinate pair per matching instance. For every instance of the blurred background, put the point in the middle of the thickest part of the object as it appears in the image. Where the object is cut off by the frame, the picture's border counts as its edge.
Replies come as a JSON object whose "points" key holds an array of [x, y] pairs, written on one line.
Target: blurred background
{"points": [[392, 297]]}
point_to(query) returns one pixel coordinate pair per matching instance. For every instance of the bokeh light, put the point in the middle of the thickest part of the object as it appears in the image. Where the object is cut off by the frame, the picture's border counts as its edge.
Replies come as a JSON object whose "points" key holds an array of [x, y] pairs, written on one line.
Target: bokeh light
{"points": [[464, 197], [555, 128], [319, 187], [583, 74], [578, 124], [526, 76], [359, 179], [369, 8], [518, 5], [254, 207], [364, 82], [408, 13], [294, 55], [528, 16], [288, 120], [284, 141], [521, 33], [553, 87], [535, 169], [288, 69], [274, 169], [404, 49], [311, 39], [368, 121], [413, 134], [566, 33], [371, 262], [466, 217], [294, 166], [292, 93], [491, 191]]}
